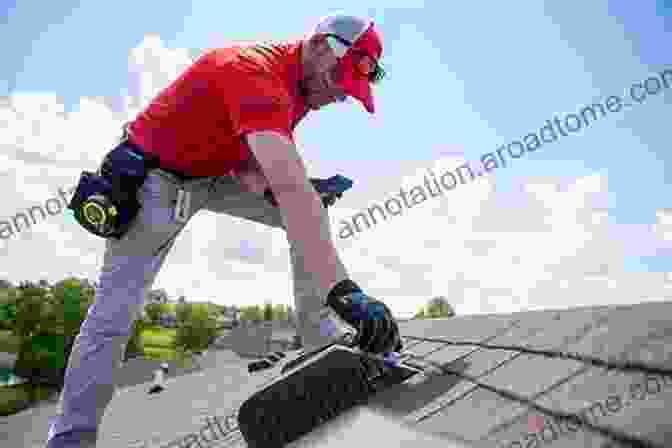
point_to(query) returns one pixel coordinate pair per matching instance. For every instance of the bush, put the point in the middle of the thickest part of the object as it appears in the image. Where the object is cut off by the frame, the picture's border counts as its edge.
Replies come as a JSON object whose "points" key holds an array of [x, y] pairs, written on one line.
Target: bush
{"points": [[7, 314], [43, 358], [196, 327], [154, 311], [438, 307], [16, 398], [8, 342], [134, 346]]}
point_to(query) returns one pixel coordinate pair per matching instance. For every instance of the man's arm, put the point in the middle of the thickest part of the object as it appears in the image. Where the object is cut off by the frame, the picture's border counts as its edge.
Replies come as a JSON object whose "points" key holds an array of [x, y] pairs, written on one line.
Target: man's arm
{"points": [[306, 220]]}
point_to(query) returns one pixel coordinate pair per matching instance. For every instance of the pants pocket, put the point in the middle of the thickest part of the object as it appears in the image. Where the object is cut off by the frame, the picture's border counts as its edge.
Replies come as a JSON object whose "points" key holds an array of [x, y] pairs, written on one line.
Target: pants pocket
{"points": [[155, 223]]}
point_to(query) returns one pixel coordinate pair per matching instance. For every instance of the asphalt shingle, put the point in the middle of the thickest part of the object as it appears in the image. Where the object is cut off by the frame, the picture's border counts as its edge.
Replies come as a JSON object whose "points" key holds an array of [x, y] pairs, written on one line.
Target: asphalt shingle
{"points": [[497, 362], [638, 333]]}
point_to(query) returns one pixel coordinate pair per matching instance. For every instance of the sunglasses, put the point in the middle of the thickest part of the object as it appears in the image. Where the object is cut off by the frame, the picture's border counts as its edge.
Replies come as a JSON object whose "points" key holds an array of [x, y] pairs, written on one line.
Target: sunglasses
{"points": [[365, 65]]}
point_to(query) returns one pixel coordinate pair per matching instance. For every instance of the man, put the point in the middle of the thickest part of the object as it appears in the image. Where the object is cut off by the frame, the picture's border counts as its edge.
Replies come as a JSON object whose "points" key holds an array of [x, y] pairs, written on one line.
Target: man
{"points": [[223, 132]]}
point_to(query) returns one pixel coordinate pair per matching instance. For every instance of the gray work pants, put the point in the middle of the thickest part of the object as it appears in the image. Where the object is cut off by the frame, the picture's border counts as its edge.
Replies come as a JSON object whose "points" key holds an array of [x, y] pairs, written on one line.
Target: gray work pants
{"points": [[129, 268]]}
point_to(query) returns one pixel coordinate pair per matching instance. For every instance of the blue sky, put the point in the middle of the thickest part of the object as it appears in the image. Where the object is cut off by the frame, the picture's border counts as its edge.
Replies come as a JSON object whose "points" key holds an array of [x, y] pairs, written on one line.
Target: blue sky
{"points": [[472, 76]]}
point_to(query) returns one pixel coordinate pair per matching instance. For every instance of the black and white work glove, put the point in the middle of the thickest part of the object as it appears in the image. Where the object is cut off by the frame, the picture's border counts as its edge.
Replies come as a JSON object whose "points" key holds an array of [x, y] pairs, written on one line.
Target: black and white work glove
{"points": [[378, 330]]}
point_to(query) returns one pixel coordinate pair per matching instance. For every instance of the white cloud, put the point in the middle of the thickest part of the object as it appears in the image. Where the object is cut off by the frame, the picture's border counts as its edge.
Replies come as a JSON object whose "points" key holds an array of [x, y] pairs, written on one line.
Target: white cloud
{"points": [[544, 246], [663, 226], [152, 67]]}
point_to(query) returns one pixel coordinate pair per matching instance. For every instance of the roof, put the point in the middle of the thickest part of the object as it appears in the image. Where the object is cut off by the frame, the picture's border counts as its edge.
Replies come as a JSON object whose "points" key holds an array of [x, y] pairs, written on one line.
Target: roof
{"points": [[511, 380], [506, 365]]}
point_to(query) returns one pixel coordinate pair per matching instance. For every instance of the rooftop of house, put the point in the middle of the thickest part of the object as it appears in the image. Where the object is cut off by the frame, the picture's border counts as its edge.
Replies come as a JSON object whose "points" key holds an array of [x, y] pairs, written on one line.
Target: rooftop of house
{"points": [[508, 381]]}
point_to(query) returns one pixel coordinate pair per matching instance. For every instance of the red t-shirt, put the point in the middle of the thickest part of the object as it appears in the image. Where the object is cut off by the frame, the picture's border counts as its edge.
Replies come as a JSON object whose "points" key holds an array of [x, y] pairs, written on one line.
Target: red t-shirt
{"points": [[197, 124]]}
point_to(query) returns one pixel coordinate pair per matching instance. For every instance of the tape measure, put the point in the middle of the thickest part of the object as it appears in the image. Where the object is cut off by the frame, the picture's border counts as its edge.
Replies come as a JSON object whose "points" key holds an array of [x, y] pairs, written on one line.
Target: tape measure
{"points": [[100, 215]]}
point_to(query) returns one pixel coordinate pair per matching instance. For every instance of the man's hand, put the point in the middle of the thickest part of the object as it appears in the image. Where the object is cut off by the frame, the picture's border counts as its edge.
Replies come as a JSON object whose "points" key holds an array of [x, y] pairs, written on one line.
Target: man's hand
{"points": [[378, 330]]}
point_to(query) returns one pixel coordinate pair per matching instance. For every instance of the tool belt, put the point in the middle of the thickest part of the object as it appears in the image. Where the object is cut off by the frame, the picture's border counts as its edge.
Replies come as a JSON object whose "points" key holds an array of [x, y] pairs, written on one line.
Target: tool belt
{"points": [[105, 203]]}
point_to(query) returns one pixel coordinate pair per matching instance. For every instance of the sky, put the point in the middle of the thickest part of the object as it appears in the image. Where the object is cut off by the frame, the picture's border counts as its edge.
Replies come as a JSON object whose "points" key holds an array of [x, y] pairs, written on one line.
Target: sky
{"points": [[585, 220]]}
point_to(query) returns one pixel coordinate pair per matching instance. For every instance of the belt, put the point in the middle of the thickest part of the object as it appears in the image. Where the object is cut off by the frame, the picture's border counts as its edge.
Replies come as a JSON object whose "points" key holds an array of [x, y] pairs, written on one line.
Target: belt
{"points": [[156, 162]]}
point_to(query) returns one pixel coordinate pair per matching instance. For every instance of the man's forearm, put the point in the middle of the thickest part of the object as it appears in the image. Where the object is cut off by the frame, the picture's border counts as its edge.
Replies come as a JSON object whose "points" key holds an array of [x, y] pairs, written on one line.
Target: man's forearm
{"points": [[307, 223], [306, 220]]}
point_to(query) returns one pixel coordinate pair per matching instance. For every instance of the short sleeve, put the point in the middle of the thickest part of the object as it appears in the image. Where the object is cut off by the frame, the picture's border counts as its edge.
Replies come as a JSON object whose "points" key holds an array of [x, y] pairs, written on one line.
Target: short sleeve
{"points": [[259, 103]]}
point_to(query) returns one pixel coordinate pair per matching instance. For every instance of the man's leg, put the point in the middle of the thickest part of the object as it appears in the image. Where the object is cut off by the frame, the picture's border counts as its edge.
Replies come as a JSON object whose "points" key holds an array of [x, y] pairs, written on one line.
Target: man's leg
{"points": [[129, 268], [230, 198]]}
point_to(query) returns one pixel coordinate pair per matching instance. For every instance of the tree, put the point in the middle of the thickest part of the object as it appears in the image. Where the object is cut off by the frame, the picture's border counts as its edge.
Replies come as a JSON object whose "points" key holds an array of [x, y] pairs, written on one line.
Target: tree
{"points": [[27, 284], [70, 302], [46, 320], [154, 312], [281, 312], [135, 345], [251, 313], [42, 339], [182, 311], [421, 314], [438, 307], [157, 296], [196, 327], [7, 315], [268, 312], [30, 310]]}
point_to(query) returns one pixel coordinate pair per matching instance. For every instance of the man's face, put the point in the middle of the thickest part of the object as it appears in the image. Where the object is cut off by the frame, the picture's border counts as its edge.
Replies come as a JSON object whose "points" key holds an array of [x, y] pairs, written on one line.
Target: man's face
{"points": [[321, 75]]}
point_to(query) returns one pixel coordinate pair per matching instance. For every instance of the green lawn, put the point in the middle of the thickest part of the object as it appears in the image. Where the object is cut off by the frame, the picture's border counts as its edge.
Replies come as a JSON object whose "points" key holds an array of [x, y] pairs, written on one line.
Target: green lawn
{"points": [[158, 343], [159, 337], [159, 353]]}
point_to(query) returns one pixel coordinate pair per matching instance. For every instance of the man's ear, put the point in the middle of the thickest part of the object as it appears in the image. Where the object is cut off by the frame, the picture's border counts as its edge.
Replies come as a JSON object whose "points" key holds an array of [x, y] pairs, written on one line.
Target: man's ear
{"points": [[318, 43], [316, 38]]}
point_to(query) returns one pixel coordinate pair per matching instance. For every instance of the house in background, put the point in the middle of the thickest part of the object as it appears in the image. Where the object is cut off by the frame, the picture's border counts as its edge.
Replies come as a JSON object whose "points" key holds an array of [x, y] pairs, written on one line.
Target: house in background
{"points": [[159, 296], [168, 320], [229, 318]]}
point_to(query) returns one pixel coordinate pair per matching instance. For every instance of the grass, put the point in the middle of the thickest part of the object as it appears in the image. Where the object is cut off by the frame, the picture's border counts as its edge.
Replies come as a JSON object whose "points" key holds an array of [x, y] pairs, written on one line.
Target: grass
{"points": [[159, 353], [158, 343], [158, 337]]}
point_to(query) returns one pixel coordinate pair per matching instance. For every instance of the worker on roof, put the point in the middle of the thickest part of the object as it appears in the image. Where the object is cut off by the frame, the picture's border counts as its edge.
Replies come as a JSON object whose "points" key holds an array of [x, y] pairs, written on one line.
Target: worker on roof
{"points": [[223, 136]]}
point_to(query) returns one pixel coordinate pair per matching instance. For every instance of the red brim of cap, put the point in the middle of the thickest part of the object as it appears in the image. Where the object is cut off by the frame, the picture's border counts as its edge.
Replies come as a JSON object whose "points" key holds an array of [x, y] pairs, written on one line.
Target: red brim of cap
{"points": [[358, 88]]}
